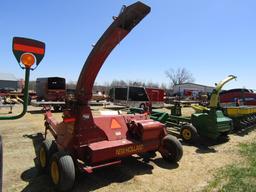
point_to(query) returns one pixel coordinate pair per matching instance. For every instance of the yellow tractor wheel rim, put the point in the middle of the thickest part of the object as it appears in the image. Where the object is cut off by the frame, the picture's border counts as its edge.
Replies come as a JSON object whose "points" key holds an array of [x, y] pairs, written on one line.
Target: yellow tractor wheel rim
{"points": [[55, 172], [42, 157], [186, 133]]}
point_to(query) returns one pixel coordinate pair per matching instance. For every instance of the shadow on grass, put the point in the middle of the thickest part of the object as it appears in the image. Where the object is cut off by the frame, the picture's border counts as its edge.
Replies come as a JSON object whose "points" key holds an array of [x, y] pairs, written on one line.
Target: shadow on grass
{"points": [[130, 167], [36, 139], [36, 182], [206, 145], [160, 162], [39, 111]]}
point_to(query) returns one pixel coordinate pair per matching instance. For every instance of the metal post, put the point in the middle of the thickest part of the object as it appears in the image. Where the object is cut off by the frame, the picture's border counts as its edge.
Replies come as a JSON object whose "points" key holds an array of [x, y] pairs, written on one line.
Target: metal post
{"points": [[25, 99]]}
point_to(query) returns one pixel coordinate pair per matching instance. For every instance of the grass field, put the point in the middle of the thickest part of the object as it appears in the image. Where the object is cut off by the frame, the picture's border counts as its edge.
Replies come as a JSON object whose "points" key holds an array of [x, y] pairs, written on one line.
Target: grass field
{"points": [[240, 176]]}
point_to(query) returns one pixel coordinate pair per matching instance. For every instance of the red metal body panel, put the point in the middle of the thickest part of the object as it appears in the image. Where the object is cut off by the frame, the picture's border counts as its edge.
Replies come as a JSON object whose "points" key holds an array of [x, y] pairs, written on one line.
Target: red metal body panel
{"points": [[130, 117], [245, 97], [110, 150], [114, 126], [149, 129]]}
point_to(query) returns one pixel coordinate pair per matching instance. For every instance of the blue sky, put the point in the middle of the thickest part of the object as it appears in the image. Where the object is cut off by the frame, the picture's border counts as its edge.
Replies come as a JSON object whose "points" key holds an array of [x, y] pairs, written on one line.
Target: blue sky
{"points": [[211, 39]]}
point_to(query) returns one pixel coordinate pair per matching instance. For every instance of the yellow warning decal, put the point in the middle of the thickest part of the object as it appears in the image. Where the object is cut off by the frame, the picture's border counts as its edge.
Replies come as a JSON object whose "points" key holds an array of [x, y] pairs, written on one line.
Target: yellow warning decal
{"points": [[115, 124], [130, 149]]}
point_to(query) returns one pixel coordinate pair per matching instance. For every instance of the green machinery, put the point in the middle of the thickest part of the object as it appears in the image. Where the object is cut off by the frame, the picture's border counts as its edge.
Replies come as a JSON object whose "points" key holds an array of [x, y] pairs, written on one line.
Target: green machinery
{"points": [[243, 117], [206, 122], [27, 52]]}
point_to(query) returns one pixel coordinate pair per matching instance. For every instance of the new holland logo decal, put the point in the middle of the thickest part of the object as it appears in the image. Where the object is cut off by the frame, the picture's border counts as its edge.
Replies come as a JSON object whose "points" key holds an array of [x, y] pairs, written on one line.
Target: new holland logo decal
{"points": [[130, 149]]}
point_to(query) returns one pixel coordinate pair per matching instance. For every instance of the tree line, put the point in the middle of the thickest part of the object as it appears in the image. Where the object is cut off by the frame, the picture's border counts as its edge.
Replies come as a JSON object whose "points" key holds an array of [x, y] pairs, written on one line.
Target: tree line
{"points": [[175, 77]]}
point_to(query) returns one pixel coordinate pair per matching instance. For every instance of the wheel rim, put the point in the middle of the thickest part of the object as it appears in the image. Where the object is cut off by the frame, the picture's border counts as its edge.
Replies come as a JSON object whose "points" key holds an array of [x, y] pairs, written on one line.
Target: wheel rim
{"points": [[42, 157], [55, 172], [186, 133]]}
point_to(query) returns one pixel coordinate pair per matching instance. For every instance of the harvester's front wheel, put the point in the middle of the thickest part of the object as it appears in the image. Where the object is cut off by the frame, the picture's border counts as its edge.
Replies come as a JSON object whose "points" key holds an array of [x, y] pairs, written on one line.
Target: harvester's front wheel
{"points": [[171, 149], [62, 171], [47, 148], [189, 133]]}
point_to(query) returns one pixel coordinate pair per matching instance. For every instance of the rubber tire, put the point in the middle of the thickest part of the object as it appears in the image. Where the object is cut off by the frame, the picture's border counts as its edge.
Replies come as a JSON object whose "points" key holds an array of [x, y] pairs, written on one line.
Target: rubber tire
{"points": [[194, 135], [66, 169], [174, 148], [50, 148]]}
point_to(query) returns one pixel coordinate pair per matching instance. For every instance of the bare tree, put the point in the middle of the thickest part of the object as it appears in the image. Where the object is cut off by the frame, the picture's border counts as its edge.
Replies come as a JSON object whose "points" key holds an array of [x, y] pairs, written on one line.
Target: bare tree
{"points": [[71, 85], [179, 76], [136, 83], [120, 83], [152, 84], [32, 85], [163, 86]]}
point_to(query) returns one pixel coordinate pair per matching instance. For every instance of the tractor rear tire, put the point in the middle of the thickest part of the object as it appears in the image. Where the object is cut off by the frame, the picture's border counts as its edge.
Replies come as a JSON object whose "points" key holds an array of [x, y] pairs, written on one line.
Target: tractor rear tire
{"points": [[189, 133], [62, 171], [172, 150], [47, 148]]}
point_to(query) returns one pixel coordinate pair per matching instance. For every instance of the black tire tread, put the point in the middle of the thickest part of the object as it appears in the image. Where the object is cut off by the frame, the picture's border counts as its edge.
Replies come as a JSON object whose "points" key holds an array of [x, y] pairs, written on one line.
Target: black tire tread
{"points": [[67, 171], [174, 146], [193, 131], [50, 148]]}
